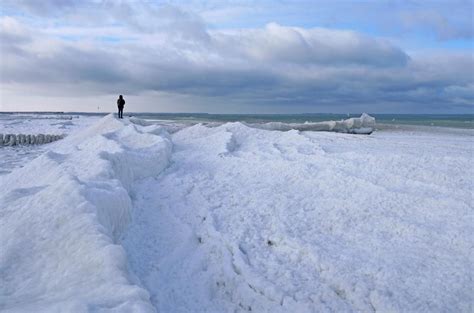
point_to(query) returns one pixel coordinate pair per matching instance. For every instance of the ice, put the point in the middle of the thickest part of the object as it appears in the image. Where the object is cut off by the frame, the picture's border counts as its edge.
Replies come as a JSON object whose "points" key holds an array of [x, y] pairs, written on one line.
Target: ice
{"points": [[24, 139], [42, 123], [30, 127], [365, 124], [61, 218], [267, 221], [130, 216]]}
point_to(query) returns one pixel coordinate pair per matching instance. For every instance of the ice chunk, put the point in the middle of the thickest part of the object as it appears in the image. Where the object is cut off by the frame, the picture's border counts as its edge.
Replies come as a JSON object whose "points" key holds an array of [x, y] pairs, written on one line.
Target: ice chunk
{"points": [[365, 124]]}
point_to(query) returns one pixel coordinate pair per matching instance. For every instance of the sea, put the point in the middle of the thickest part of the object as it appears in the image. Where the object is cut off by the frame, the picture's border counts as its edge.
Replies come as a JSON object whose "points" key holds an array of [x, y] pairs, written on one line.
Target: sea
{"points": [[383, 121], [437, 120]]}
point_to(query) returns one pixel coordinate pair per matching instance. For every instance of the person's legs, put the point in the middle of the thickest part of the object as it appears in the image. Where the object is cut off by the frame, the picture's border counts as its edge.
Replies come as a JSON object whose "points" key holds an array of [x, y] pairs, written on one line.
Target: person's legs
{"points": [[118, 114]]}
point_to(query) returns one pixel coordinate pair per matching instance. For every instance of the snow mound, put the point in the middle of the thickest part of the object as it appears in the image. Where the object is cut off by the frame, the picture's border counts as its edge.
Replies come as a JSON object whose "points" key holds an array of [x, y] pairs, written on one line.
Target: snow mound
{"points": [[62, 216]]}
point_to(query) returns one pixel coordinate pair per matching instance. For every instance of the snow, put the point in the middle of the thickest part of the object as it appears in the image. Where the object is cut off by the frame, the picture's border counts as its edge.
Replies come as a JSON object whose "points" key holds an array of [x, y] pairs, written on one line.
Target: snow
{"points": [[62, 215], [130, 216], [33, 124], [50, 124], [247, 219]]}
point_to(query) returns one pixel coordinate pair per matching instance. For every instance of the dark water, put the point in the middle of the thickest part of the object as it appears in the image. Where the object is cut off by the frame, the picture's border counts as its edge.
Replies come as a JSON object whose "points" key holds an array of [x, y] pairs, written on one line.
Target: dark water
{"points": [[438, 120]]}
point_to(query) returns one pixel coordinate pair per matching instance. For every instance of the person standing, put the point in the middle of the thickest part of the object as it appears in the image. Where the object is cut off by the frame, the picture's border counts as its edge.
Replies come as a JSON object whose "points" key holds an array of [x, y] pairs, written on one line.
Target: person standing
{"points": [[120, 105]]}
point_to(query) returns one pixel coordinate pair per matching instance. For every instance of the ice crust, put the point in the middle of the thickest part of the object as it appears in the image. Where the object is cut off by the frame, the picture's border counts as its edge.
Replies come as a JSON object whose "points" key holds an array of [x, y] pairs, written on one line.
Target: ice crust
{"points": [[43, 124], [14, 156], [268, 221], [124, 217], [62, 216]]}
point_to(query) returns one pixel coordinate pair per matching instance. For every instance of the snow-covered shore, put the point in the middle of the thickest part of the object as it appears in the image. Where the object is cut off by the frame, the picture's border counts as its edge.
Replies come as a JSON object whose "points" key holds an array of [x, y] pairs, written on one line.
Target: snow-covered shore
{"points": [[62, 215], [16, 156], [124, 217]]}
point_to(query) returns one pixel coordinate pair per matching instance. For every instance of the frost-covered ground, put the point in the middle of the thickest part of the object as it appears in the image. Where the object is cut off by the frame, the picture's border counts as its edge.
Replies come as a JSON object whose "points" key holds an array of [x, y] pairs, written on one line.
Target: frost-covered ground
{"points": [[33, 124], [122, 217]]}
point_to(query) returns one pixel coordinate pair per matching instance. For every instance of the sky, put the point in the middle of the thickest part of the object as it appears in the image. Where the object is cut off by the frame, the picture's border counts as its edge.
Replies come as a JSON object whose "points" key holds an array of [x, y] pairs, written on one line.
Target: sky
{"points": [[220, 56]]}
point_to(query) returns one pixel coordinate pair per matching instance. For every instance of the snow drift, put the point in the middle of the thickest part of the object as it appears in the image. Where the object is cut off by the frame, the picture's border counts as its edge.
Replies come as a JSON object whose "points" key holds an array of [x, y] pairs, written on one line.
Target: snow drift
{"points": [[62, 216]]}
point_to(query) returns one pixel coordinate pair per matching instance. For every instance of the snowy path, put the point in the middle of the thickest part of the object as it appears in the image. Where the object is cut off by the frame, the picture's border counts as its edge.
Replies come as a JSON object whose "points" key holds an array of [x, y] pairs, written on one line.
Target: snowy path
{"points": [[252, 220]]}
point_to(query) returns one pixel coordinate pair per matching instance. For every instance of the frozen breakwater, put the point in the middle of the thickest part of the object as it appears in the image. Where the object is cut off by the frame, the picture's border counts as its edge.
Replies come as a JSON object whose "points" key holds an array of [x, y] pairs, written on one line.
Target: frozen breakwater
{"points": [[27, 139], [363, 125], [131, 216], [62, 216]]}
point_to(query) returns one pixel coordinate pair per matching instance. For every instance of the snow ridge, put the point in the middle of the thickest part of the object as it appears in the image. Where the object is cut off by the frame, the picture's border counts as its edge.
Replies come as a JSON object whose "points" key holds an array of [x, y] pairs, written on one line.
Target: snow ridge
{"points": [[62, 216]]}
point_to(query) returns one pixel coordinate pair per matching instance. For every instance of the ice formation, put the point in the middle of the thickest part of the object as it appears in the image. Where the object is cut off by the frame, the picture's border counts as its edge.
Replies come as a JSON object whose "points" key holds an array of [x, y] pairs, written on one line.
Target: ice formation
{"points": [[365, 124], [62, 215], [27, 139], [124, 217], [266, 221]]}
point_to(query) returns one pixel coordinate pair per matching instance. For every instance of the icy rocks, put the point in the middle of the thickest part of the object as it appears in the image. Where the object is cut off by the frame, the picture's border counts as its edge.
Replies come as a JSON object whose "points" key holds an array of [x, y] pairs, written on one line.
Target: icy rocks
{"points": [[365, 124], [9, 140], [27, 139]]}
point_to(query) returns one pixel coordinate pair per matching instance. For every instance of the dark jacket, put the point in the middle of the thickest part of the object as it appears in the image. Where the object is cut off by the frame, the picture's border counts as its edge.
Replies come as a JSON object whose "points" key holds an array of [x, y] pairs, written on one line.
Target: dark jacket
{"points": [[120, 103]]}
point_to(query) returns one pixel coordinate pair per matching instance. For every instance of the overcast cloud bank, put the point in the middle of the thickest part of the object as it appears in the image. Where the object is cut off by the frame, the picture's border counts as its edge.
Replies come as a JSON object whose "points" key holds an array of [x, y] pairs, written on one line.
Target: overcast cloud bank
{"points": [[68, 50]]}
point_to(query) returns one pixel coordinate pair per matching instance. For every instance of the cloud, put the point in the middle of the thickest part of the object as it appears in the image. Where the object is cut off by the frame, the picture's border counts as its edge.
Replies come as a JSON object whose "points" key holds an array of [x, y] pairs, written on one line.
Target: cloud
{"points": [[12, 32], [43, 8], [444, 27], [146, 49], [276, 43], [447, 20]]}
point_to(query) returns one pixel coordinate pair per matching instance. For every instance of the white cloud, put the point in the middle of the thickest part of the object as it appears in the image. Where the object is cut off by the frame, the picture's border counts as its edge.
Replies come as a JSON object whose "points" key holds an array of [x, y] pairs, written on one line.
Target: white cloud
{"points": [[444, 26], [145, 49], [276, 43]]}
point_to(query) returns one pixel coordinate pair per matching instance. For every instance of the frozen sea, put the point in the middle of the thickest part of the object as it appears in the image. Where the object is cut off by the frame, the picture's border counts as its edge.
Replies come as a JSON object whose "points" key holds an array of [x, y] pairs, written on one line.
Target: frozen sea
{"points": [[197, 213]]}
